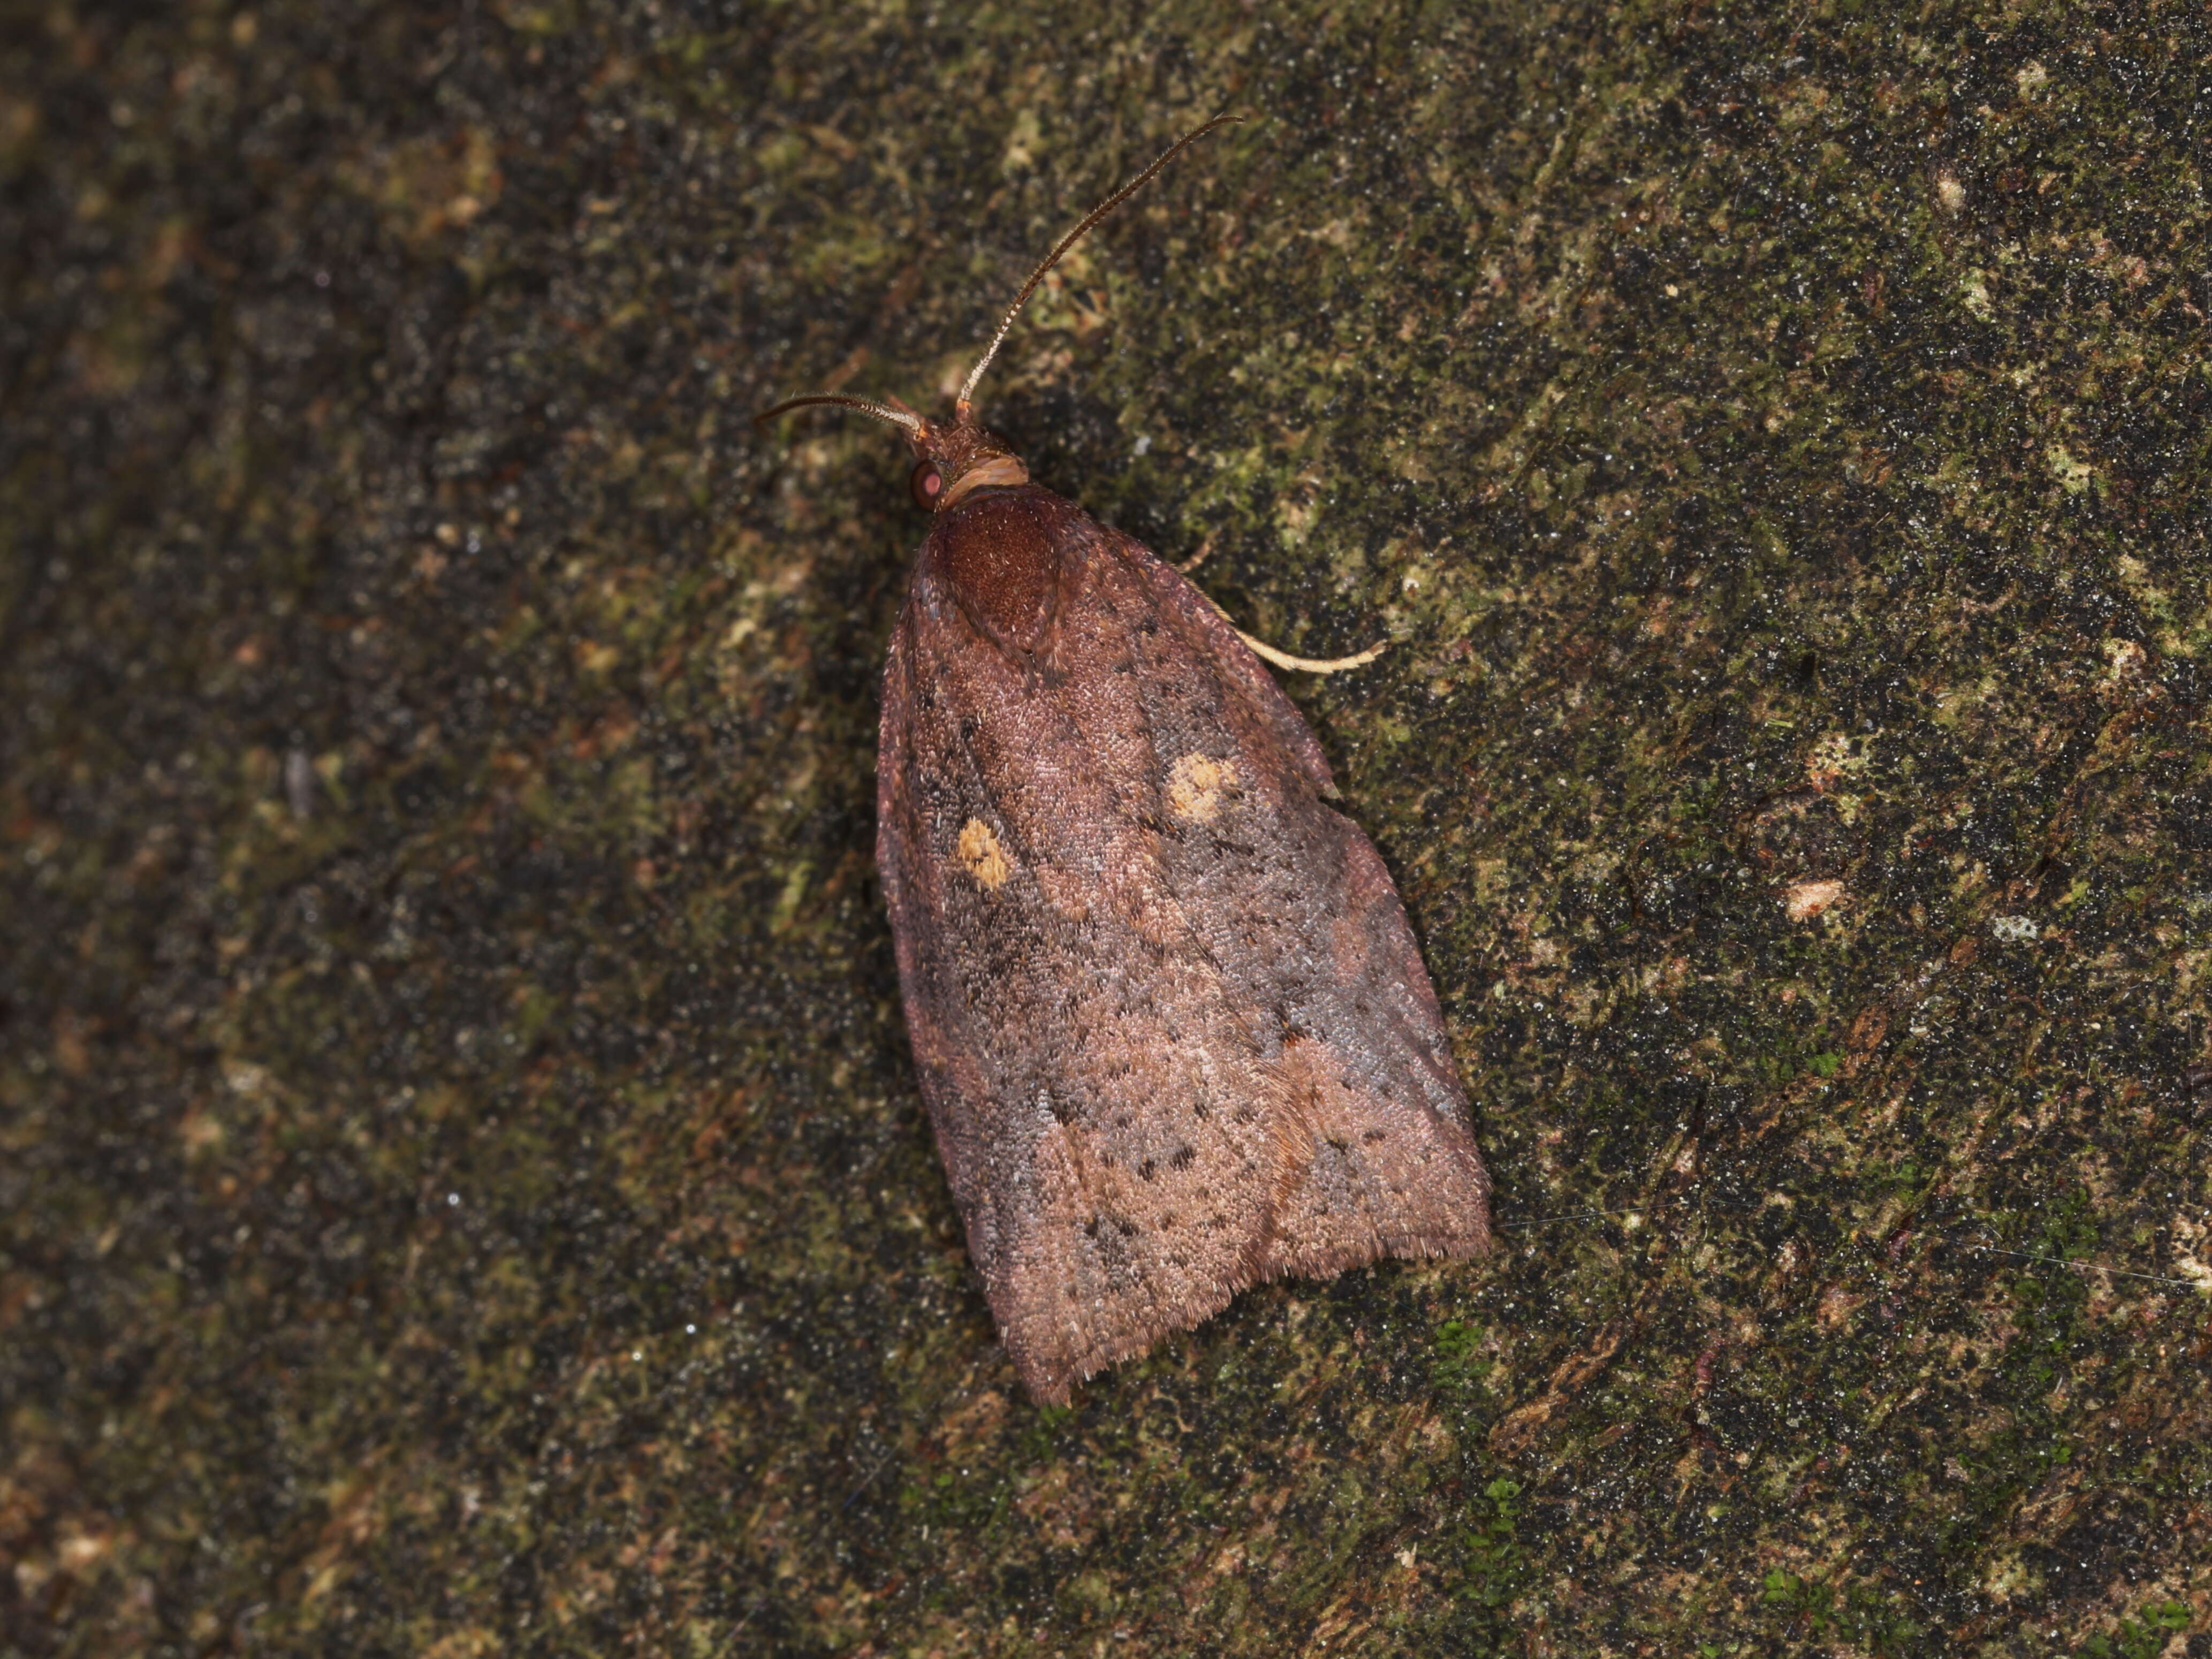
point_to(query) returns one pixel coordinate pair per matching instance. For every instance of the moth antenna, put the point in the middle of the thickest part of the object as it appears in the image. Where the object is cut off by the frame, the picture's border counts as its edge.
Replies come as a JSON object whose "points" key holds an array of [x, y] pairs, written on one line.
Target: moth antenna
{"points": [[905, 418], [968, 387]]}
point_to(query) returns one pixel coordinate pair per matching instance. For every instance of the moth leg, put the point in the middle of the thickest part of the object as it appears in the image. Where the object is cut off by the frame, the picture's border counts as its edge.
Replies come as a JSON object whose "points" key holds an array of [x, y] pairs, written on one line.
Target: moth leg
{"points": [[1198, 558], [1267, 653]]}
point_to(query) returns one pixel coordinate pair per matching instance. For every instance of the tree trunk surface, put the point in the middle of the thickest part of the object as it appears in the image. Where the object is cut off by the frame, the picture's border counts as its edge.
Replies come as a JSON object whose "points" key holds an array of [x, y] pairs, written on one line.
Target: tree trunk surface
{"points": [[463, 1187]]}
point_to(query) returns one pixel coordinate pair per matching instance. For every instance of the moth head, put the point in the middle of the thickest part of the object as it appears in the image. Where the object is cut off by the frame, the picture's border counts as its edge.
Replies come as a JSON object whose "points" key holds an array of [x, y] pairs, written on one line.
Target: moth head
{"points": [[958, 457], [952, 459]]}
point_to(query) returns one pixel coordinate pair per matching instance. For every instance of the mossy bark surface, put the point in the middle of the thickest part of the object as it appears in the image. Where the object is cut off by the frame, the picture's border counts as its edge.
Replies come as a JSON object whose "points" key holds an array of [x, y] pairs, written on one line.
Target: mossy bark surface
{"points": [[462, 1184]]}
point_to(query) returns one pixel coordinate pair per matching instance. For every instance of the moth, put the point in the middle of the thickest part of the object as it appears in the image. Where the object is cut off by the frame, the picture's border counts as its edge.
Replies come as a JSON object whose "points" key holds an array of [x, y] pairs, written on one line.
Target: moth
{"points": [[1170, 1023]]}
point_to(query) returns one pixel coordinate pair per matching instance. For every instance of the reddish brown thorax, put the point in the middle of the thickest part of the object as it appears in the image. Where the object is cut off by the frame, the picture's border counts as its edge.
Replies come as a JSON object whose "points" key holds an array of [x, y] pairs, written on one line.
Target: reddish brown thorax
{"points": [[999, 553], [994, 550]]}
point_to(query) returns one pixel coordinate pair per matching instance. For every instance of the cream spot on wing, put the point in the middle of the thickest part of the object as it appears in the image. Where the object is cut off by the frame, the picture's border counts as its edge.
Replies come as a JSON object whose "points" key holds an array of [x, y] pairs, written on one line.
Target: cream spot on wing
{"points": [[1196, 784], [980, 851]]}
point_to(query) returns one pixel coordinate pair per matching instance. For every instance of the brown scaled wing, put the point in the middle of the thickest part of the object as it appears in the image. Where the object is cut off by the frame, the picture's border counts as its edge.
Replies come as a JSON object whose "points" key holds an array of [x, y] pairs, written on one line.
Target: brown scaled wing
{"points": [[1172, 1027]]}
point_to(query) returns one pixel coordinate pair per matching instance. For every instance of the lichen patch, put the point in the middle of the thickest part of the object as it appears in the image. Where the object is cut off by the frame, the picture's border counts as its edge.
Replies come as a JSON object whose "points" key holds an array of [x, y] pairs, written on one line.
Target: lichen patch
{"points": [[1196, 785], [980, 851], [1805, 899]]}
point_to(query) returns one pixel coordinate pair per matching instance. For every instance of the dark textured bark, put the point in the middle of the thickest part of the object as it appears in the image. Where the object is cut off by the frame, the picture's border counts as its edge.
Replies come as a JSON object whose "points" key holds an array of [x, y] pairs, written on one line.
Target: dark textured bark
{"points": [[462, 1182]]}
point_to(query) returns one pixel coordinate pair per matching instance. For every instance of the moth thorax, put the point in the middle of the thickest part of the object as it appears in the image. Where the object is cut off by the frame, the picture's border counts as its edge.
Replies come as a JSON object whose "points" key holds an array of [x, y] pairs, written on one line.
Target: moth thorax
{"points": [[1000, 555]]}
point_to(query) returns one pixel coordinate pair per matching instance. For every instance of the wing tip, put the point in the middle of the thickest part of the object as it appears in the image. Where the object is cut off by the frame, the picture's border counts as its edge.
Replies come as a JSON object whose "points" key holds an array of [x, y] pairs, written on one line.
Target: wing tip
{"points": [[1052, 1378]]}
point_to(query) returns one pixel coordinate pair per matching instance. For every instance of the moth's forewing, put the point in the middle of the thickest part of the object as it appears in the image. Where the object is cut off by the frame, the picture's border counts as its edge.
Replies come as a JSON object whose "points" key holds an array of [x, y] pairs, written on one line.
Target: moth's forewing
{"points": [[1171, 1024]]}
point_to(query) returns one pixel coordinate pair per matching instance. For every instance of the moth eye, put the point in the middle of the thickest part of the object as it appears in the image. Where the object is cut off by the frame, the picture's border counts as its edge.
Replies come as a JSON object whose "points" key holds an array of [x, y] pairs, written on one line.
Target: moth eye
{"points": [[927, 483]]}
